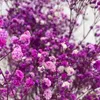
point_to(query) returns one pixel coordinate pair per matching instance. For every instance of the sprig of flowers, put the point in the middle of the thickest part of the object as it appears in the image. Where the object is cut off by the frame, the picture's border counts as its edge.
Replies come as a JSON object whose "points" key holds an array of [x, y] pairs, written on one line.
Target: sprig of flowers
{"points": [[45, 62]]}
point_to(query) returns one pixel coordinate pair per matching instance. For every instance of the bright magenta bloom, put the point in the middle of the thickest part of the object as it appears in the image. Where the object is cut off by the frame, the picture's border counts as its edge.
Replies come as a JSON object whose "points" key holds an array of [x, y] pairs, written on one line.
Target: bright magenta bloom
{"points": [[19, 74]]}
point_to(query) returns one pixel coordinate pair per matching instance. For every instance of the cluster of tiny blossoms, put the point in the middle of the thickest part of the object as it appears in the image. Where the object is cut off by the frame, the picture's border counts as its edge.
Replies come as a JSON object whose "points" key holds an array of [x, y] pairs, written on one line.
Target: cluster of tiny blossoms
{"points": [[44, 60]]}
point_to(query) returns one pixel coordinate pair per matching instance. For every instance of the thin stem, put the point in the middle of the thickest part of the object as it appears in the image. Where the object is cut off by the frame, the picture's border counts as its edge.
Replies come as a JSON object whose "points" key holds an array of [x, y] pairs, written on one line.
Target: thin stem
{"points": [[6, 83], [81, 6], [5, 56], [88, 32], [7, 3], [83, 95]]}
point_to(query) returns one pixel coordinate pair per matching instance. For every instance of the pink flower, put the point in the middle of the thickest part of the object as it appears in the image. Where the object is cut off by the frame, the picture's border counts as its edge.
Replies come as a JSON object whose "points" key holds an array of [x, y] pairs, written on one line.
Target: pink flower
{"points": [[17, 53], [14, 39], [51, 66], [32, 74], [47, 82], [37, 97], [3, 34], [3, 37], [66, 84], [25, 38], [19, 74], [47, 94], [70, 71]]}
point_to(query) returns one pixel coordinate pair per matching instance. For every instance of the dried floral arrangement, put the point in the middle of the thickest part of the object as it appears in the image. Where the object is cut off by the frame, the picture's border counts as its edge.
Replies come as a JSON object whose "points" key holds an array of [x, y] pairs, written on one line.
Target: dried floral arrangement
{"points": [[45, 62]]}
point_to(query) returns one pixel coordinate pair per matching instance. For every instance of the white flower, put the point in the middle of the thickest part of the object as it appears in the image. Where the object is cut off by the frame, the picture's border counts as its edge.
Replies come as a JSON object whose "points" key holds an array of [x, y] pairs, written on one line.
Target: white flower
{"points": [[56, 14], [66, 84], [61, 69], [41, 69], [64, 46], [42, 22], [70, 71], [37, 20], [97, 90], [39, 55], [47, 44], [75, 51], [50, 17], [43, 38]]}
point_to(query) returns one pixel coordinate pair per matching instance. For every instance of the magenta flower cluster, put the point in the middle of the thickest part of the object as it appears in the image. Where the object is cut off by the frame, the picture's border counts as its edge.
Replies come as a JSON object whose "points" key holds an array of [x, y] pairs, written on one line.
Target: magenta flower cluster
{"points": [[44, 60]]}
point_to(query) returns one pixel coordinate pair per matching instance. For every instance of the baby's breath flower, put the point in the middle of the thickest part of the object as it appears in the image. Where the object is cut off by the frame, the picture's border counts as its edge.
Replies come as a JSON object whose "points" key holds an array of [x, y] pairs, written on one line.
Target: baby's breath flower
{"points": [[70, 71]]}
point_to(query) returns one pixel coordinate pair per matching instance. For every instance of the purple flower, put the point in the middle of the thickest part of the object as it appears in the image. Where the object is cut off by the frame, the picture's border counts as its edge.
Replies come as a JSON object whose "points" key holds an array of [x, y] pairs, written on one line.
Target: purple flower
{"points": [[19, 74], [47, 94], [29, 82], [47, 82], [14, 39], [97, 65]]}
